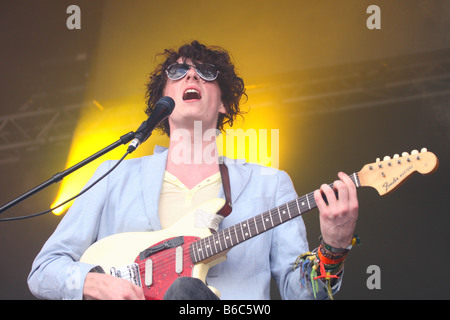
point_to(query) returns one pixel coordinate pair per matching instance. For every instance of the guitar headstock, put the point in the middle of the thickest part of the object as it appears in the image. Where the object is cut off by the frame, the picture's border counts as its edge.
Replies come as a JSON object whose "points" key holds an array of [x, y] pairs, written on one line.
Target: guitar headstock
{"points": [[388, 174]]}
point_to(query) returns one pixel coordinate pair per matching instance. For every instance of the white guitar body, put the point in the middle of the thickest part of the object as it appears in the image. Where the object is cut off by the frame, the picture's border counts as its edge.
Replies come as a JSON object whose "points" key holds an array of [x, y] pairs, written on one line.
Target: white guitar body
{"points": [[117, 253]]}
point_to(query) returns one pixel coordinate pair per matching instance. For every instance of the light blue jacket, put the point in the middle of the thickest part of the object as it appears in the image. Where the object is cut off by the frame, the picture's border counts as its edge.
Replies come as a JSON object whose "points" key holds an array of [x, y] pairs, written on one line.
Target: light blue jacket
{"points": [[127, 200]]}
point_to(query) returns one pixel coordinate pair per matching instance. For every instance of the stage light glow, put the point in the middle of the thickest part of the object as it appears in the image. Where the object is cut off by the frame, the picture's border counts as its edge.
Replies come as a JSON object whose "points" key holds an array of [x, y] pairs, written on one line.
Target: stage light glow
{"points": [[98, 128]]}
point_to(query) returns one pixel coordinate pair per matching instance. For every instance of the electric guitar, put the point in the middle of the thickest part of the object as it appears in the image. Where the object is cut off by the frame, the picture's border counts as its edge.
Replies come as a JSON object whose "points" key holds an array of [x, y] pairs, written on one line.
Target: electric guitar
{"points": [[153, 260]]}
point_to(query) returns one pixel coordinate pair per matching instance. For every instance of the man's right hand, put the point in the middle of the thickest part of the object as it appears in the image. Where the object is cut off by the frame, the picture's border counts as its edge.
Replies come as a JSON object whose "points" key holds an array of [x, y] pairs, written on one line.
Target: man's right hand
{"points": [[100, 286]]}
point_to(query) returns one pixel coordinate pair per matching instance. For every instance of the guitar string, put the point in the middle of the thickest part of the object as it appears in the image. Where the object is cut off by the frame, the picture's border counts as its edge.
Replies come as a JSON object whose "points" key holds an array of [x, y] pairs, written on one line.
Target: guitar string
{"points": [[168, 256]]}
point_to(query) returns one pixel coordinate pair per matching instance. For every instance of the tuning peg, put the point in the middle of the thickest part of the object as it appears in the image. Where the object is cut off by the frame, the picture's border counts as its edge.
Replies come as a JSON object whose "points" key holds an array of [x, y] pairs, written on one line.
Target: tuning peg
{"points": [[414, 152], [386, 158], [405, 154], [396, 156], [378, 160], [423, 150]]}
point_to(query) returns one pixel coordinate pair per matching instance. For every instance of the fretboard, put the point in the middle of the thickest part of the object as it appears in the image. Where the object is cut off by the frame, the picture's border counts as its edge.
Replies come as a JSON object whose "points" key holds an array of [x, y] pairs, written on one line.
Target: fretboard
{"points": [[227, 238]]}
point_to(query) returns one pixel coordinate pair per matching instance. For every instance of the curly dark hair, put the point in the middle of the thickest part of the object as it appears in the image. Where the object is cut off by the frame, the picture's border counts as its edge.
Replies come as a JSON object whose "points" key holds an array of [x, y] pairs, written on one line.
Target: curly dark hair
{"points": [[231, 86]]}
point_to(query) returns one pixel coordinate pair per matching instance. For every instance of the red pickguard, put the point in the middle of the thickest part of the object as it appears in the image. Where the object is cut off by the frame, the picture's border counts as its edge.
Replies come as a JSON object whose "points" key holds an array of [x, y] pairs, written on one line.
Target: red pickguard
{"points": [[164, 269]]}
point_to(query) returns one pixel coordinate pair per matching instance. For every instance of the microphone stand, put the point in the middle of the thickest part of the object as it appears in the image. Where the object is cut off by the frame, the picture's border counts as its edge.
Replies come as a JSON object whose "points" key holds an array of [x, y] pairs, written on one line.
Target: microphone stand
{"points": [[60, 175]]}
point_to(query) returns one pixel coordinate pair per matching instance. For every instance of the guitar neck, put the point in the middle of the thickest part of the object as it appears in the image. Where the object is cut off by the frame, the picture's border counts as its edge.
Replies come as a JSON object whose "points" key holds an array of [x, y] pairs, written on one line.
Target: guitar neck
{"points": [[225, 239]]}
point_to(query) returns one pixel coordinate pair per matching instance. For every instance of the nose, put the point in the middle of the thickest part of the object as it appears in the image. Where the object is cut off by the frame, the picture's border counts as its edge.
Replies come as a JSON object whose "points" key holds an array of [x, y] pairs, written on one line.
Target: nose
{"points": [[192, 74]]}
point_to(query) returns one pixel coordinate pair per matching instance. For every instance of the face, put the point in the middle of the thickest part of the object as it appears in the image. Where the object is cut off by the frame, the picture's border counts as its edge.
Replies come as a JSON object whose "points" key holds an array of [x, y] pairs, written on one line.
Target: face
{"points": [[195, 100]]}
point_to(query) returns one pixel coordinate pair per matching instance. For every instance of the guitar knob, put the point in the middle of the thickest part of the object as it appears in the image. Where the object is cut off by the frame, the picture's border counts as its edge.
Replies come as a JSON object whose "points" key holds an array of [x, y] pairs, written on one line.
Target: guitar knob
{"points": [[414, 152], [423, 150]]}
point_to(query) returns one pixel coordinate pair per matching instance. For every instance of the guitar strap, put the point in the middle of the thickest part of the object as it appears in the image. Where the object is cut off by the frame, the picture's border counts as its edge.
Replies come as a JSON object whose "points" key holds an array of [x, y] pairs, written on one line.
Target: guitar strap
{"points": [[226, 209], [204, 219]]}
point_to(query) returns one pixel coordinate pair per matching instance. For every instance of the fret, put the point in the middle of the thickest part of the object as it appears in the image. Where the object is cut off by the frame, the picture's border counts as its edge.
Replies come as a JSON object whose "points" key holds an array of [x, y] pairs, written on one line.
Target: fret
{"points": [[289, 212], [265, 220], [269, 215], [236, 234], [248, 229], [215, 241], [271, 220], [200, 250], [220, 242], [307, 199], [210, 246], [229, 237], [285, 214], [279, 214], [282, 214], [264, 224], [224, 240], [252, 223], [242, 231], [205, 248], [194, 251], [298, 207]]}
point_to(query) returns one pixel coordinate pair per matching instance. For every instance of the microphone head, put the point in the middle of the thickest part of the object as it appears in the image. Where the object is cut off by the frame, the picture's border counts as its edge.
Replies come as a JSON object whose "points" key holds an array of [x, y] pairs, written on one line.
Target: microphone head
{"points": [[166, 102], [163, 109]]}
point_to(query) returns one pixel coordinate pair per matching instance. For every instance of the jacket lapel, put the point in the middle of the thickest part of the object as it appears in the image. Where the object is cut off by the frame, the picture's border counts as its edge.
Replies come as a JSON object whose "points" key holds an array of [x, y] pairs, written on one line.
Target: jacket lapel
{"points": [[239, 176], [153, 168]]}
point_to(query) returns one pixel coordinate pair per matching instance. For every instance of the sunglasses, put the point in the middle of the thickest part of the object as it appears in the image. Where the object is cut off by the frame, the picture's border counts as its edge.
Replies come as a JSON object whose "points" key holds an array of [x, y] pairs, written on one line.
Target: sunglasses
{"points": [[206, 71]]}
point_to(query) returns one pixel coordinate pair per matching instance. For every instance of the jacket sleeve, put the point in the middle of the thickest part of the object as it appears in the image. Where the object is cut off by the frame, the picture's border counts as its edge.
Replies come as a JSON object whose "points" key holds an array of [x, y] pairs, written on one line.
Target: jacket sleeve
{"points": [[289, 241], [56, 272]]}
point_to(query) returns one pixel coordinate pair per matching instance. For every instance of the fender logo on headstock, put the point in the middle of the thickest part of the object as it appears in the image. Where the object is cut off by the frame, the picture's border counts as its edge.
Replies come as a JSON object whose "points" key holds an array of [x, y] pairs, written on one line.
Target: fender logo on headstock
{"points": [[387, 185]]}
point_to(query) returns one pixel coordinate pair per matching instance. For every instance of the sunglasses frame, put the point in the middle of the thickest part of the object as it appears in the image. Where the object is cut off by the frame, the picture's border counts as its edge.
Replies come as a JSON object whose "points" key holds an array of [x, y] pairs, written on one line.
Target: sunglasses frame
{"points": [[196, 70]]}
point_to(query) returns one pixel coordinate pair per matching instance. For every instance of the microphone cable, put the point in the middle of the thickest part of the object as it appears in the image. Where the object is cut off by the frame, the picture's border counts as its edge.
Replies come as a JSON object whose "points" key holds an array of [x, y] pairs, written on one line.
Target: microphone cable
{"points": [[70, 199]]}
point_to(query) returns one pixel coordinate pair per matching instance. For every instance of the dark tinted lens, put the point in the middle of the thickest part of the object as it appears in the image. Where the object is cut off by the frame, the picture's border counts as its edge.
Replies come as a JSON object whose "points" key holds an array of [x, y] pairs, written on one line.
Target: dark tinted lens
{"points": [[207, 71], [177, 71]]}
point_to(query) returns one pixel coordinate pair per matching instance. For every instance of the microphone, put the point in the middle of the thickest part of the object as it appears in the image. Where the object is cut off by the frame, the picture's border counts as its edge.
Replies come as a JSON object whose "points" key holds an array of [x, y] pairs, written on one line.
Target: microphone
{"points": [[163, 109]]}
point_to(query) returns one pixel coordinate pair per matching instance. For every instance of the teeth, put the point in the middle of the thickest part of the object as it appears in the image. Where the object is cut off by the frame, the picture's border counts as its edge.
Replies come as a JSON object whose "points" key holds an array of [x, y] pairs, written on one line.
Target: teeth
{"points": [[191, 94]]}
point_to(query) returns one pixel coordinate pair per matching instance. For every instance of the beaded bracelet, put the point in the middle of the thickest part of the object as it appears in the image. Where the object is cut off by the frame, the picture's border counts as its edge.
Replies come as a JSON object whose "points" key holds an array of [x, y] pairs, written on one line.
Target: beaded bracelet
{"points": [[330, 259]]}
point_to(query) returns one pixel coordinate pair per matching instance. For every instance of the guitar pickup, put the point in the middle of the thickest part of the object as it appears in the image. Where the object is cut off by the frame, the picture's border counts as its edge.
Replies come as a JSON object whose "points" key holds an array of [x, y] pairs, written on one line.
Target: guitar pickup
{"points": [[148, 278]]}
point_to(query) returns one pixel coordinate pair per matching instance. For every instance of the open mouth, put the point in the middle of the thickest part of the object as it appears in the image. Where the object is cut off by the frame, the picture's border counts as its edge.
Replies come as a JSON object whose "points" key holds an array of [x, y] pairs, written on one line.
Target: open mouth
{"points": [[191, 94]]}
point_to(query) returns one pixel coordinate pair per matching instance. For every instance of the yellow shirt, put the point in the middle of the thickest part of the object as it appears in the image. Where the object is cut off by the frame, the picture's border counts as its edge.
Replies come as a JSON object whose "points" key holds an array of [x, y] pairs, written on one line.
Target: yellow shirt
{"points": [[176, 199]]}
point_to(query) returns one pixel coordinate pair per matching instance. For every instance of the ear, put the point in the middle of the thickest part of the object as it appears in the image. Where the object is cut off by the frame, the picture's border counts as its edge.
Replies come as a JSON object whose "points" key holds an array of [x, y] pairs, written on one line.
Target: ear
{"points": [[222, 108]]}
